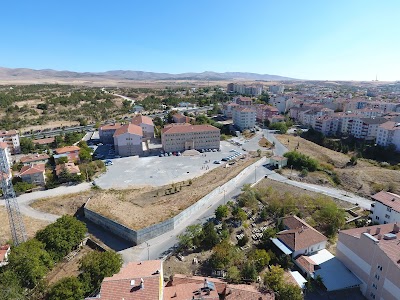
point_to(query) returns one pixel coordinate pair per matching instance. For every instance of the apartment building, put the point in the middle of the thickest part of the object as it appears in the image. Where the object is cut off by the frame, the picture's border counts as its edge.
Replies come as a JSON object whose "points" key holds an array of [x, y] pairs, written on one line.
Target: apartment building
{"points": [[389, 133], [264, 112], [276, 89], [227, 109], [106, 133], [386, 208], [372, 254], [34, 159], [180, 118], [369, 112], [146, 124], [244, 118], [70, 152], [327, 125], [128, 140], [183, 137], [11, 137], [34, 174], [243, 101], [282, 103], [366, 128], [253, 90]]}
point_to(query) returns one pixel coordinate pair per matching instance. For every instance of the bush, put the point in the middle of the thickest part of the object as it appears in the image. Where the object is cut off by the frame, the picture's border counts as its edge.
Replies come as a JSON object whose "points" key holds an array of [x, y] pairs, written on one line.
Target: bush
{"points": [[300, 161], [281, 126], [243, 241], [22, 187]]}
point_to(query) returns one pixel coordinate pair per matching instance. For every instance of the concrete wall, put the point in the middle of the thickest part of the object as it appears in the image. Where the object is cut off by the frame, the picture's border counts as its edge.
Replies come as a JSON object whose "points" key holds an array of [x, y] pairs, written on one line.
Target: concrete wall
{"points": [[142, 235]]}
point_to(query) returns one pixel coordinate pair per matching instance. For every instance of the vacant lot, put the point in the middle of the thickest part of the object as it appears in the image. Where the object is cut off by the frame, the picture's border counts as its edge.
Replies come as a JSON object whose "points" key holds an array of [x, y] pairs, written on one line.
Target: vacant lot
{"points": [[141, 207], [31, 226], [364, 178]]}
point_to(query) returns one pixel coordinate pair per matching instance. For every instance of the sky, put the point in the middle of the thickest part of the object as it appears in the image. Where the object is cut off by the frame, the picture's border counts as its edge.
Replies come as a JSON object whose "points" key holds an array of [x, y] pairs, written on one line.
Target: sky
{"points": [[316, 40]]}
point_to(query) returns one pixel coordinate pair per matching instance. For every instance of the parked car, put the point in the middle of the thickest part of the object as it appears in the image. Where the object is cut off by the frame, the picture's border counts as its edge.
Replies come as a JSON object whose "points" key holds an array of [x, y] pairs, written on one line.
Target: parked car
{"points": [[217, 162]]}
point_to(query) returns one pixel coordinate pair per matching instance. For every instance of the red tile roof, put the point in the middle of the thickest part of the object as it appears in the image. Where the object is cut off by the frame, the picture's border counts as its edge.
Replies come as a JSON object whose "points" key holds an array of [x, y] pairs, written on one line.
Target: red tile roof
{"points": [[139, 119], [121, 285], [66, 149], [299, 235], [8, 133], [129, 128], [114, 126], [3, 145], [34, 157], [3, 251], [188, 128], [247, 292], [44, 141], [306, 263], [33, 169], [390, 125], [388, 199]]}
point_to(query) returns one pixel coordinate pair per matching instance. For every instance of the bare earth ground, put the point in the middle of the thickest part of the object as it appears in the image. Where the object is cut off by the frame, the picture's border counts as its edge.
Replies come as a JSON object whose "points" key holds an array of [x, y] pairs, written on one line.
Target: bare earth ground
{"points": [[31, 226], [358, 179], [67, 268], [141, 207]]}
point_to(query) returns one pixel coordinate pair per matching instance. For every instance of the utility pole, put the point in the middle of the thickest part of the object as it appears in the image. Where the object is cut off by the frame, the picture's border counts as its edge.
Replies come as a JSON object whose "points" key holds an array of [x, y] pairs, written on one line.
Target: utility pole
{"points": [[255, 174], [224, 197], [17, 227], [148, 250]]}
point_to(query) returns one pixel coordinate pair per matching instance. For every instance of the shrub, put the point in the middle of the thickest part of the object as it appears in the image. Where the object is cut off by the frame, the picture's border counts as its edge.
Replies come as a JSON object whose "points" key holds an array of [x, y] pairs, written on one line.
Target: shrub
{"points": [[300, 161]]}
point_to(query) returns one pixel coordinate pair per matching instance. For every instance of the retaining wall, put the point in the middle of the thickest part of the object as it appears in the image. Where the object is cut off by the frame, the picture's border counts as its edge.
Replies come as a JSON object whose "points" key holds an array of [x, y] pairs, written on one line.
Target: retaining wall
{"points": [[142, 235]]}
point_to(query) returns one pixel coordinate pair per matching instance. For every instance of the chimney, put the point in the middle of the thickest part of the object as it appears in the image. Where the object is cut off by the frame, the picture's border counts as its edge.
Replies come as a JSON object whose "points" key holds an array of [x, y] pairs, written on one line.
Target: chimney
{"points": [[378, 230], [396, 228], [369, 230], [132, 282], [379, 236], [141, 283]]}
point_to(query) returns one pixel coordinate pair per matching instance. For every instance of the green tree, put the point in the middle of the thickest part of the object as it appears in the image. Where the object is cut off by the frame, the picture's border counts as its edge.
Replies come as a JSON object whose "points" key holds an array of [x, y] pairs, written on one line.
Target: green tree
{"points": [[10, 287], [260, 257], [27, 145], [290, 292], [331, 218], [209, 236], [30, 262], [274, 277], [300, 161], [225, 255], [233, 274], [191, 236], [221, 212], [22, 186], [85, 155], [68, 288], [281, 126], [62, 237], [249, 271], [97, 265]]}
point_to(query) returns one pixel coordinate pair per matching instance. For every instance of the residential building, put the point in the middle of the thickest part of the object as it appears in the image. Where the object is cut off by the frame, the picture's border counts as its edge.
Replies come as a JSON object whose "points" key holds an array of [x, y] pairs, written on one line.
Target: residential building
{"points": [[70, 152], [186, 137], [70, 167], [327, 125], [106, 133], [146, 124], [128, 140], [276, 119], [244, 118], [389, 133], [264, 112], [227, 109], [366, 128], [44, 141], [253, 90], [144, 281], [179, 118], [11, 137], [276, 89], [4, 253], [243, 101], [34, 159], [386, 208], [282, 103], [34, 173], [372, 254]]}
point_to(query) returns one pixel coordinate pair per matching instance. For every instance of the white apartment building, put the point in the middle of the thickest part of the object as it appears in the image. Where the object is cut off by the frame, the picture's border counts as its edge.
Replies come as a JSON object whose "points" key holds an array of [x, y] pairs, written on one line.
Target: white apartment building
{"points": [[181, 137], [227, 109], [128, 140], [366, 128], [372, 254], [146, 124], [11, 137], [106, 133], [276, 89], [244, 118], [386, 208], [327, 125], [389, 133]]}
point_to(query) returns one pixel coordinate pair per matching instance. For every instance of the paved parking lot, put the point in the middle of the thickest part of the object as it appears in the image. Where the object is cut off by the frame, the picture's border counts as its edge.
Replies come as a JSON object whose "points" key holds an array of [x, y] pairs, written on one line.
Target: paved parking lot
{"points": [[158, 171]]}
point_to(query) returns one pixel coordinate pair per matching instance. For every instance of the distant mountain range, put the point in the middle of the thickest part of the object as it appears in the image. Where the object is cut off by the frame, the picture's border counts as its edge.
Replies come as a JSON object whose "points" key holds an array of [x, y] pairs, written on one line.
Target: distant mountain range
{"points": [[30, 74]]}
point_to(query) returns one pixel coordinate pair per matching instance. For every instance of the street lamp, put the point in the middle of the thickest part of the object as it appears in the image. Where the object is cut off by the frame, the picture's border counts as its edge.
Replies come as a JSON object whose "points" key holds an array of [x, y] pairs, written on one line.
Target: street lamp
{"points": [[148, 250]]}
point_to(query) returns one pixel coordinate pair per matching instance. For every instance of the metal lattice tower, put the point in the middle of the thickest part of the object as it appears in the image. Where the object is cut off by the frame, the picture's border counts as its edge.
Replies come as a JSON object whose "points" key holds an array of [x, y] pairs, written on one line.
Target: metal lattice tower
{"points": [[14, 215]]}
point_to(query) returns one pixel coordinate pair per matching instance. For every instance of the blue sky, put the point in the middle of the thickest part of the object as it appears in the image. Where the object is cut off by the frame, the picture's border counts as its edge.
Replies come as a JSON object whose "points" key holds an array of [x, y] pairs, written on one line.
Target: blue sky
{"points": [[345, 40]]}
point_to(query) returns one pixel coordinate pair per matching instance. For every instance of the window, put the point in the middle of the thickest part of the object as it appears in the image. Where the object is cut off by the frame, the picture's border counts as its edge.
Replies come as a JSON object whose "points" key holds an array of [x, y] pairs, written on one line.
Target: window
{"points": [[387, 216], [389, 209]]}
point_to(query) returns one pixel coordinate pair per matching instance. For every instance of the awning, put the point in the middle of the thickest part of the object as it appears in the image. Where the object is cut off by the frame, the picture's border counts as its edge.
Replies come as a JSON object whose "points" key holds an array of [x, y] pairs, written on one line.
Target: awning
{"points": [[281, 246], [299, 278]]}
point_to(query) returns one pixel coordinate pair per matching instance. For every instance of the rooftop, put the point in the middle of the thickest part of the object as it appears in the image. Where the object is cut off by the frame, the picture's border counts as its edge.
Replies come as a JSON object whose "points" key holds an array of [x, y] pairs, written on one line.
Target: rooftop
{"points": [[34, 157], [32, 169], [139, 119], [189, 128], [388, 199], [3, 145], [44, 141], [113, 126], [390, 125], [129, 128], [371, 121], [8, 133], [66, 149]]}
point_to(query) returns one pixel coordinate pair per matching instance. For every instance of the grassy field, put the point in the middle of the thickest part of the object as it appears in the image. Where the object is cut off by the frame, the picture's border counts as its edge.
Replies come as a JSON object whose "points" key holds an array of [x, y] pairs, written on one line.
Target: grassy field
{"points": [[31, 226], [364, 178], [139, 208]]}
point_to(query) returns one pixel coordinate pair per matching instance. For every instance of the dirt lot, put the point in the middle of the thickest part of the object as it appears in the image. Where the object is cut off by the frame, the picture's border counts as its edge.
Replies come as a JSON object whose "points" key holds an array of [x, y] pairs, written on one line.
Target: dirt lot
{"points": [[138, 208], [361, 179], [31, 226], [67, 268]]}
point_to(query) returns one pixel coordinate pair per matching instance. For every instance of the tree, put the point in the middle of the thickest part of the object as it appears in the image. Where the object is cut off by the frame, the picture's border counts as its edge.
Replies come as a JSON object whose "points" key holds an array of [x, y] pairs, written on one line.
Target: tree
{"points": [[300, 161], [10, 287], [260, 257], [62, 237], [30, 262], [191, 236], [290, 292], [281, 126], [68, 288], [225, 255], [243, 241], [233, 274], [221, 212], [249, 271], [27, 145], [274, 277], [331, 217], [85, 155], [209, 236], [97, 265]]}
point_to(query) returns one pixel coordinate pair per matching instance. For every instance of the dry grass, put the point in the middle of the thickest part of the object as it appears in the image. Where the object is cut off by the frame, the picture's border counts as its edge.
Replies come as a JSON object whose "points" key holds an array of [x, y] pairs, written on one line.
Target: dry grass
{"points": [[31, 226], [360, 179], [139, 208], [263, 142]]}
